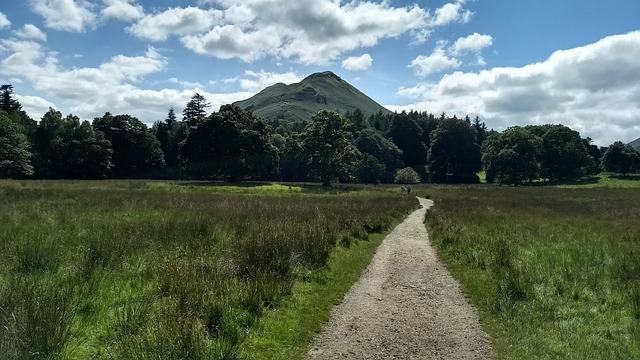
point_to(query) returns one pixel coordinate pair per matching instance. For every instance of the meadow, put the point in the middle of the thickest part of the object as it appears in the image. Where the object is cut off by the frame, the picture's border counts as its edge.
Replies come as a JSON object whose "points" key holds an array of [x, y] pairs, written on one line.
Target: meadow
{"points": [[159, 270], [553, 271]]}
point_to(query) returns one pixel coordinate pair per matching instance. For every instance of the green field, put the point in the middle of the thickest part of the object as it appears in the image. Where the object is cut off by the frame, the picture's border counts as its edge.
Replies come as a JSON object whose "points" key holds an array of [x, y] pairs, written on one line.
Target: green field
{"points": [[554, 272], [156, 270]]}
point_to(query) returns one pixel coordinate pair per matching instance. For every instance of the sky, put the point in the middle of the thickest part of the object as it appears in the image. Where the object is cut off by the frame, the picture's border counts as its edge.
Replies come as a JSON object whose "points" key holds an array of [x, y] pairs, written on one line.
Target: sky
{"points": [[510, 62]]}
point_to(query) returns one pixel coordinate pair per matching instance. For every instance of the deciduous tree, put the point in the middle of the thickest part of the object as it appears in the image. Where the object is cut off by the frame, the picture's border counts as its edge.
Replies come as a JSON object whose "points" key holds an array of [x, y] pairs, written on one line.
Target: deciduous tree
{"points": [[328, 144]]}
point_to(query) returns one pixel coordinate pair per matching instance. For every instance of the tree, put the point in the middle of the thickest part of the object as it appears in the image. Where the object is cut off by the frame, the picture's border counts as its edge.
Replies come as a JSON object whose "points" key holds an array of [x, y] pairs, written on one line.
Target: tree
{"points": [[231, 143], [481, 130], [370, 141], [136, 151], [70, 149], [407, 176], [621, 158], [369, 170], [511, 157], [195, 111], [170, 133], [407, 135], [14, 110], [15, 152], [329, 147], [563, 154], [454, 156]]}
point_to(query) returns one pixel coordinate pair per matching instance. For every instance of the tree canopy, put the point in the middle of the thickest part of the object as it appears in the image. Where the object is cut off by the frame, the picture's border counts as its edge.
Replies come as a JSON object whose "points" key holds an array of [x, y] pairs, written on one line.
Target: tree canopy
{"points": [[454, 155], [621, 158], [329, 146]]}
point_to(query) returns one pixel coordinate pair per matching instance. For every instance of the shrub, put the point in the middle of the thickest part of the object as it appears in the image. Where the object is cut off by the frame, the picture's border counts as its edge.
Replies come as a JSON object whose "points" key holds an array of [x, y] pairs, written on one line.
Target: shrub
{"points": [[407, 176]]}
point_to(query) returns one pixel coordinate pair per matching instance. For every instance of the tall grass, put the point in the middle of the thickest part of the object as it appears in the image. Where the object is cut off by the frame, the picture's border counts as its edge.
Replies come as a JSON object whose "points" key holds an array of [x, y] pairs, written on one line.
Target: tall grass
{"points": [[554, 272], [136, 270]]}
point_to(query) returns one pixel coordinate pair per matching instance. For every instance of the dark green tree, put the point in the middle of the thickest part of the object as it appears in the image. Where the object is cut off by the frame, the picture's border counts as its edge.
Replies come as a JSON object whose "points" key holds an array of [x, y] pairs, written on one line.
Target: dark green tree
{"points": [[15, 150], [170, 133], [621, 158], [70, 149], [482, 132], [454, 156], [233, 144], [136, 152], [195, 111], [564, 155], [328, 144], [371, 141], [407, 135], [511, 157], [14, 110], [369, 170]]}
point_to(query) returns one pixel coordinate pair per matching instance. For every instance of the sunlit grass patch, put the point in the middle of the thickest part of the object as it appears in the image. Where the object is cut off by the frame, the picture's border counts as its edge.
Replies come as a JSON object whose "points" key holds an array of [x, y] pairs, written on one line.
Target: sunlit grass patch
{"points": [[554, 272], [145, 269]]}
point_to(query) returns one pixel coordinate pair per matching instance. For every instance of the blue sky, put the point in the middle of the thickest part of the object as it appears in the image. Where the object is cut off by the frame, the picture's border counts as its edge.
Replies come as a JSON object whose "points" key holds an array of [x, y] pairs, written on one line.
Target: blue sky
{"points": [[575, 62]]}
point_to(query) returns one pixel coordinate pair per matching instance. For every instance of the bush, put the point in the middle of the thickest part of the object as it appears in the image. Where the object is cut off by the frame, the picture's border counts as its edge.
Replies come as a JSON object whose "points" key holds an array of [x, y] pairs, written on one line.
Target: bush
{"points": [[407, 176]]}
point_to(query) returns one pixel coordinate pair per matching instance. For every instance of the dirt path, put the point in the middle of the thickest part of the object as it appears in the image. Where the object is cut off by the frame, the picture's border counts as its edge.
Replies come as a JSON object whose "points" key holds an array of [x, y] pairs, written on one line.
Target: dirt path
{"points": [[406, 305]]}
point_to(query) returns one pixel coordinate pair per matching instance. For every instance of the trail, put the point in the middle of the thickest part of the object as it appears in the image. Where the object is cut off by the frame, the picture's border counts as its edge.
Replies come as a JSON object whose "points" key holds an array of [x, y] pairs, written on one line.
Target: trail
{"points": [[406, 305]]}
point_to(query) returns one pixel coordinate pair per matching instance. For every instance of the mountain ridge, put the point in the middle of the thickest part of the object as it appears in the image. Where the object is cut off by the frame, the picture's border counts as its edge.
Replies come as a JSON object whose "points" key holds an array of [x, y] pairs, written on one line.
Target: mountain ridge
{"points": [[297, 102]]}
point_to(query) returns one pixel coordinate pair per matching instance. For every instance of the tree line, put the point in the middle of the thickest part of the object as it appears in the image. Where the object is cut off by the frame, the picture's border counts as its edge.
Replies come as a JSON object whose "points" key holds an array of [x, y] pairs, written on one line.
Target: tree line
{"points": [[234, 145]]}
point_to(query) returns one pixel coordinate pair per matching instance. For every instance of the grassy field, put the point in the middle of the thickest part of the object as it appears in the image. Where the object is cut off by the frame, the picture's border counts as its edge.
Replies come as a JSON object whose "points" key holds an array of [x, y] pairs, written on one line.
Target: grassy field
{"points": [[157, 270], [554, 272]]}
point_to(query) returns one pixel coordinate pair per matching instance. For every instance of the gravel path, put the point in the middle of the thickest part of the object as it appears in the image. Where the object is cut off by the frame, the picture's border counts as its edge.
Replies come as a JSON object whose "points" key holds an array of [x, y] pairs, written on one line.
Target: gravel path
{"points": [[406, 305]]}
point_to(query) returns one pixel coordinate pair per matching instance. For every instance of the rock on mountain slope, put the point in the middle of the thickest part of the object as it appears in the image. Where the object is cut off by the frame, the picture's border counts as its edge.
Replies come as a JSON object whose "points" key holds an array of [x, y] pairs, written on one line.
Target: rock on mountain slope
{"points": [[298, 102]]}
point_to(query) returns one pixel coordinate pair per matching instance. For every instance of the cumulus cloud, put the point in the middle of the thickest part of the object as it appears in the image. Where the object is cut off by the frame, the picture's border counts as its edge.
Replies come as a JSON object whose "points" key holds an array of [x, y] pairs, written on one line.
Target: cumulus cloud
{"points": [[65, 15], [452, 12], [175, 21], [31, 32], [4, 21], [594, 89], [437, 61], [309, 31], [116, 85], [256, 81], [126, 10], [355, 63], [472, 43]]}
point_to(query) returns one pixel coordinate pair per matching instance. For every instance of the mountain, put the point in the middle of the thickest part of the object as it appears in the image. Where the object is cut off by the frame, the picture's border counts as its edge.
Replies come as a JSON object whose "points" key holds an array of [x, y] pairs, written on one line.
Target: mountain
{"points": [[636, 144], [299, 101]]}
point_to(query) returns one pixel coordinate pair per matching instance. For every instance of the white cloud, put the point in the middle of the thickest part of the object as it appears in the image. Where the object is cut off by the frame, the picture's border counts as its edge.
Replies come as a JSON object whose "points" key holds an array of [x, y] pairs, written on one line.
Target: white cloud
{"points": [[437, 61], [175, 21], [31, 32], [594, 89], [4, 21], [35, 106], [126, 10], [113, 86], [257, 81], [451, 12], [65, 15], [356, 63], [309, 31], [472, 43]]}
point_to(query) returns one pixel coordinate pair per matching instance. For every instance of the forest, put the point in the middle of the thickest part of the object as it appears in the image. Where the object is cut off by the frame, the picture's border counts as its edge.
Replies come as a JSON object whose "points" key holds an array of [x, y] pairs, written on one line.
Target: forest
{"points": [[232, 144]]}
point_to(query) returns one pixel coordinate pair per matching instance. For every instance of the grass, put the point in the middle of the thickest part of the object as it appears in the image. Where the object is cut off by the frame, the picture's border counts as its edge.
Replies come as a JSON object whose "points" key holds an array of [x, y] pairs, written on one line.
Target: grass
{"points": [[139, 270], [554, 272]]}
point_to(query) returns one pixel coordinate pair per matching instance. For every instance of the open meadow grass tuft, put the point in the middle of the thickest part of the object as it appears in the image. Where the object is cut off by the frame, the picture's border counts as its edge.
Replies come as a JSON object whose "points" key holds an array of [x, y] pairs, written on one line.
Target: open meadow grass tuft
{"points": [[554, 272], [140, 270]]}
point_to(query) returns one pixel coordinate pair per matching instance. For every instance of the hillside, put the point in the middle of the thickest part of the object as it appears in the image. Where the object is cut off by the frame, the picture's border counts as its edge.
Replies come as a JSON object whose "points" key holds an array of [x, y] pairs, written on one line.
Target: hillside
{"points": [[300, 101], [636, 144]]}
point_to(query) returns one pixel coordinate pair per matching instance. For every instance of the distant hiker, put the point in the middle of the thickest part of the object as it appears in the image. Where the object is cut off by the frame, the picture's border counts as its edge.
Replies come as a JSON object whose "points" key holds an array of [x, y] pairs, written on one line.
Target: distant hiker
{"points": [[409, 189]]}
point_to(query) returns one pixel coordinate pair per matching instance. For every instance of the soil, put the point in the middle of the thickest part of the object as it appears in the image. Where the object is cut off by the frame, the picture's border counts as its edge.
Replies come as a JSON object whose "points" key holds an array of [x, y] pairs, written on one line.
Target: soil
{"points": [[406, 305]]}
